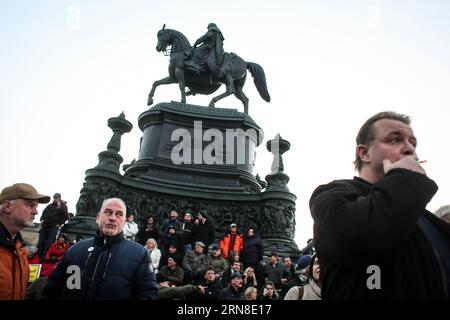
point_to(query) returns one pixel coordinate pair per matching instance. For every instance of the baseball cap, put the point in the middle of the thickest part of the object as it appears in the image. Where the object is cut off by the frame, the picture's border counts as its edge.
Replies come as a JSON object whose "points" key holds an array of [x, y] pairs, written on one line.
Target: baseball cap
{"points": [[57, 195], [22, 191], [199, 243], [233, 225]]}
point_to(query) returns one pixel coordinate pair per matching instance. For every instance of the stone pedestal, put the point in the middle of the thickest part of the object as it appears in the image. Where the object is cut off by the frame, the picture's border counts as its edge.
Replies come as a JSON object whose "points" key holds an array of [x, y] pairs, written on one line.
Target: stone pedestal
{"points": [[201, 159]]}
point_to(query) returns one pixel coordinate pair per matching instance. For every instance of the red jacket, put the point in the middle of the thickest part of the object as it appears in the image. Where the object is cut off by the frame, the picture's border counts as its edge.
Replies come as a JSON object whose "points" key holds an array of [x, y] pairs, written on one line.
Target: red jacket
{"points": [[225, 245], [52, 257]]}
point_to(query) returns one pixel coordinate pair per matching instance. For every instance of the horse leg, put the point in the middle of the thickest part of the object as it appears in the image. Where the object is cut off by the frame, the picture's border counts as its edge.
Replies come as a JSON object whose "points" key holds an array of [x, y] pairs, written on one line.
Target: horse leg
{"points": [[241, 96], [167, 80], [179, 73], [229, 91]]}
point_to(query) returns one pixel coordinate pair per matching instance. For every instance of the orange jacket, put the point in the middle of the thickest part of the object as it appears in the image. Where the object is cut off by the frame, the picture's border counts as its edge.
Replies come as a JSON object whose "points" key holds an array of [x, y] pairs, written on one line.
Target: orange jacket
{"points": [[225, 245], [14, 269]]}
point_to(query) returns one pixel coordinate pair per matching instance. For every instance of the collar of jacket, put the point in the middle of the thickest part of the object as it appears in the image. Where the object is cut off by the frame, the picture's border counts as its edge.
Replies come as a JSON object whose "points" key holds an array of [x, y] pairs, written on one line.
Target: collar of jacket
{"points": [[107, 241], [6, 239]]}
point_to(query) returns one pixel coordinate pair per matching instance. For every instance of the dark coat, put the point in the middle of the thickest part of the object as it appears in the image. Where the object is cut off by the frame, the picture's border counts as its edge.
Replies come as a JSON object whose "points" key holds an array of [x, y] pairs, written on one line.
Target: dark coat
{"points": [[276, 273], [174, 276], [111, 268], [147, 232], [212, 290], [357, 225], [230, 294], [187, 232], [252, 252], [167, 238], [204, 232], [53, 215]]}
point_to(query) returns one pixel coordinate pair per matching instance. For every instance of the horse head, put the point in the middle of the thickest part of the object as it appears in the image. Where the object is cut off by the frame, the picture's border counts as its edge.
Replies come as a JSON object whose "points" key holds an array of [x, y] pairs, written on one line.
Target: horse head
{"points": [[169, 37], [164, 39]]}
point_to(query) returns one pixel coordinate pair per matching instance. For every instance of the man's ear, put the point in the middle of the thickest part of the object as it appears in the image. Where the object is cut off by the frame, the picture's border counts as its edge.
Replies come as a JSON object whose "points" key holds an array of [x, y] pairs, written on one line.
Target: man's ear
{"points": [[7, 206], [362, 152]]}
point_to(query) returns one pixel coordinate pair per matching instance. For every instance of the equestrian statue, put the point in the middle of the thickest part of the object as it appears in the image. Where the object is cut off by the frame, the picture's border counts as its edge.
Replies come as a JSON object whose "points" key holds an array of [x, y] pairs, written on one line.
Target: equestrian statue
{"points": [[204, 67]]}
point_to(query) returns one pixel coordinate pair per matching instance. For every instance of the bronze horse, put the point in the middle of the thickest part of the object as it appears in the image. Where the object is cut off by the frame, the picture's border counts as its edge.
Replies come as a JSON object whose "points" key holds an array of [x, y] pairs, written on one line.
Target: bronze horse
{"points": [[234, 69]]}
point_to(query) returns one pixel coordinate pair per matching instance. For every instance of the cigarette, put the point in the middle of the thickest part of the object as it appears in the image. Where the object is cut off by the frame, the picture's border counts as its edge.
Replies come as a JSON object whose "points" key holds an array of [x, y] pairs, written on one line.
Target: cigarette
{"points": [[422, 161]]}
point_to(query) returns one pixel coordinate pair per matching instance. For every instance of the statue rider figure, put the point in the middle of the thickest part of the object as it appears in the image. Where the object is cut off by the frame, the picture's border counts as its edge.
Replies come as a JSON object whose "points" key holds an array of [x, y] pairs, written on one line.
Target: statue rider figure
{"points": [[211, 51]]}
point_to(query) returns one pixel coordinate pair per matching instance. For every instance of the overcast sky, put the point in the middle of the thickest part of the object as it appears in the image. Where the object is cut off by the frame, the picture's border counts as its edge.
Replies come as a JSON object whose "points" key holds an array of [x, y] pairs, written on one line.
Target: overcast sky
{"points": [[68, 66]]}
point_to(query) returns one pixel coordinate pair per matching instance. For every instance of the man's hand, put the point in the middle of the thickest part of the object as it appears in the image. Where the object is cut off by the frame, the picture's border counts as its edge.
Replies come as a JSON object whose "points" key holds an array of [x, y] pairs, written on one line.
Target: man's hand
{"points": [[201, 289], [408, 162]]}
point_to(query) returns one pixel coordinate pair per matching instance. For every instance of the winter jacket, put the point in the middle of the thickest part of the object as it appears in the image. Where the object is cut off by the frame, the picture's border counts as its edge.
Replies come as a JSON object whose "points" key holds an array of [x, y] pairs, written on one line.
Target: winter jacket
{"points": [[54, 254], [360, 228], [110, 268], [229, 293], [14, 270], [219, 264], [310, 291], [178, 293], [130, 229], [168, 238], [225, 245], [275, 273], [194, 262], [204, 232], [53, 215], [147, 232], [187, 232], [252, 251], [155, 257], [174, 276]]}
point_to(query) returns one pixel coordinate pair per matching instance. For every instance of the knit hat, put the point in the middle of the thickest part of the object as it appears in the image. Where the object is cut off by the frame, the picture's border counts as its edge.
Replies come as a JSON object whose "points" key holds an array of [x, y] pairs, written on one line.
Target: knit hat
{"points": [[303, 262]]}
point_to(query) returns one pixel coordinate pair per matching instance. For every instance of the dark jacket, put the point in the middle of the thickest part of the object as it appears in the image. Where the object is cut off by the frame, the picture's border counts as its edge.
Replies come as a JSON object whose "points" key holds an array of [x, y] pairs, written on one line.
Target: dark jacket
{"points": [[187, 232], [275, 273], [204, 232], [111, 268], [53, 215], [174, 276], [212, 290], [230, 293], [357, 225], [252, 251], [147, 232], [167, 238]]}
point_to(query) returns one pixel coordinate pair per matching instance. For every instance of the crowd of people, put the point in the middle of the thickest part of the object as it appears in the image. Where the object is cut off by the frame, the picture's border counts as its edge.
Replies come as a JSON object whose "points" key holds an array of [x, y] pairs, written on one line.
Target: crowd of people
{"points": [[373, 239]]}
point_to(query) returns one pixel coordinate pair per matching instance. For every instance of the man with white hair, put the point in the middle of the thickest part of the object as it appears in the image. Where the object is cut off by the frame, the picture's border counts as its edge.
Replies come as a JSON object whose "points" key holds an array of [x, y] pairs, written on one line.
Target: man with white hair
{"points": [[106, 266]]}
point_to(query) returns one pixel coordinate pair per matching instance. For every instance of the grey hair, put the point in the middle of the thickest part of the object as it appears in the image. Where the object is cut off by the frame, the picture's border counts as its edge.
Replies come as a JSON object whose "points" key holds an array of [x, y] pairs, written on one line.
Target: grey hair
{"points": [[106, 201], [153, 241], [442, 211], [10, 201]]}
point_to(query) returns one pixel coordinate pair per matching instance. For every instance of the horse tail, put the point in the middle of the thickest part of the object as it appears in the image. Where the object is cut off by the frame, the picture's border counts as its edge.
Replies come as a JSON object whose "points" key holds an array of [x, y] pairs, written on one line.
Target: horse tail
{"points": [[259, 78]]}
